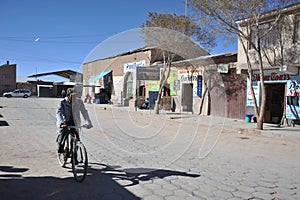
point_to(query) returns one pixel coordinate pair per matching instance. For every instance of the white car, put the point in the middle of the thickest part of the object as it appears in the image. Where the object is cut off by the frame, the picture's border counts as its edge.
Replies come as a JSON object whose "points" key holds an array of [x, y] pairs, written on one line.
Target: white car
{"points": [[18, 93]]}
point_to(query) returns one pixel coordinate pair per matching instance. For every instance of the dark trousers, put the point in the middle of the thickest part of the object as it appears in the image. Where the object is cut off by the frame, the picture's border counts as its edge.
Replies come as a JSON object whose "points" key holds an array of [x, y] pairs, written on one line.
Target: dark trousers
{"points": [[62, 135]]}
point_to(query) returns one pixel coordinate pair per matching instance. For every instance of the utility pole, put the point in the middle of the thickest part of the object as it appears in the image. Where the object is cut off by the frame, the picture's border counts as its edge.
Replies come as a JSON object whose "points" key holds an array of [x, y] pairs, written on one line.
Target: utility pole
{"points": [[185, 8]]}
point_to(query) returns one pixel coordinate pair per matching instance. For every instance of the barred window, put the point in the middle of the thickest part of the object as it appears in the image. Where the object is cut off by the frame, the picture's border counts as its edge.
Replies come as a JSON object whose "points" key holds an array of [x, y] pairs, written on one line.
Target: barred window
{"points": [[267, 34]]}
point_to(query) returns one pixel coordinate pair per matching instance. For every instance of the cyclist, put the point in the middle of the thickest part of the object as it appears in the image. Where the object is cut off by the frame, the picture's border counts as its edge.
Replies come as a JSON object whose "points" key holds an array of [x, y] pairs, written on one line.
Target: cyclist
{"points": [[68, 113]]}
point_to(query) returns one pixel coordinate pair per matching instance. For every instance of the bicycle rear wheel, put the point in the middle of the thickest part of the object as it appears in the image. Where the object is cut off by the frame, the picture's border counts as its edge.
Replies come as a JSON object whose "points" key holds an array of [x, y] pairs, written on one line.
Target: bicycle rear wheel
{"points": [[79, 161], [62, 159]]}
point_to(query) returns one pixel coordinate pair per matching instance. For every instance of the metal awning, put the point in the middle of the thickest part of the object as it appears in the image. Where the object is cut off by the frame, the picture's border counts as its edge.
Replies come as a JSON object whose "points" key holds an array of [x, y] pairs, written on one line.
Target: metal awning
{"points": [[63, 73], [98, 76]]}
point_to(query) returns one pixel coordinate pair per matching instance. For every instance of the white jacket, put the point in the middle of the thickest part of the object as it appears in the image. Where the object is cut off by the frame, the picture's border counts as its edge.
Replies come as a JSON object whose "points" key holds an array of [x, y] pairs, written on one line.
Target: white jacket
{"points": [[64, 111]]}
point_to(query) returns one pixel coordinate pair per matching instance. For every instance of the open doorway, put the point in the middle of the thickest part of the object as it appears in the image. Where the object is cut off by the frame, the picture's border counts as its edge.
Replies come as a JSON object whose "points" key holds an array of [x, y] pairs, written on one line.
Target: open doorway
{"points": [[275, 96], [187, 97]]}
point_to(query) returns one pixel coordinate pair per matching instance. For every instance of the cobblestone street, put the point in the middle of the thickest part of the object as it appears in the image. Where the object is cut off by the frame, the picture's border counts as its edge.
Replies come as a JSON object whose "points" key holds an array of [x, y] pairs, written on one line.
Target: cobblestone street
{"points": [[139, 155]]}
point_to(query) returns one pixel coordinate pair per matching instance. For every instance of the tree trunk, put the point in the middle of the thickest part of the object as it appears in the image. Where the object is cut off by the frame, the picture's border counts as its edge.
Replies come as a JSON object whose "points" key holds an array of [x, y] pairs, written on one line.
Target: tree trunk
{"points": [[157, 103], [262, 88], [259, 111], [167, 66]]}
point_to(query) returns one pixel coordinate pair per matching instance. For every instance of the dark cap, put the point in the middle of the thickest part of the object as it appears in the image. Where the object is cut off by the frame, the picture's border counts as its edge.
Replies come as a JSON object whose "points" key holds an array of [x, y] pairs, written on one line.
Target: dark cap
{"points": [[70, 91]]}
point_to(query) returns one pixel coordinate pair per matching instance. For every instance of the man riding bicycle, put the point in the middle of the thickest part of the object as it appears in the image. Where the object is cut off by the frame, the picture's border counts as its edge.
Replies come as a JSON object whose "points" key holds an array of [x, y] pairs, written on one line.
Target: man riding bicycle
{"points": [[68, 113]]}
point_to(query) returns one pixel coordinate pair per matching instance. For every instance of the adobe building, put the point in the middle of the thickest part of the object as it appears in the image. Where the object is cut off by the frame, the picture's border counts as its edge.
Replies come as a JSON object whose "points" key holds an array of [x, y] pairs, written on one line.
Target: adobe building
{"points": [[8, 76], [117, 76], [132, 77]]}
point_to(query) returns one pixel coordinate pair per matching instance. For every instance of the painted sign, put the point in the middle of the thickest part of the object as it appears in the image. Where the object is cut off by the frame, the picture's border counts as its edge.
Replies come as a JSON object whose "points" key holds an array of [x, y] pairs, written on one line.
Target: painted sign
{"points": [[130, 67], [270, 75], [292, 100]]}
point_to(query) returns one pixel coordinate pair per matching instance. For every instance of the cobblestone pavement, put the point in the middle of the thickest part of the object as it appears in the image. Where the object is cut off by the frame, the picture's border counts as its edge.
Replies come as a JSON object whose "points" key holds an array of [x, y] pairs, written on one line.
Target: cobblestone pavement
{"points": [[139, 155]]}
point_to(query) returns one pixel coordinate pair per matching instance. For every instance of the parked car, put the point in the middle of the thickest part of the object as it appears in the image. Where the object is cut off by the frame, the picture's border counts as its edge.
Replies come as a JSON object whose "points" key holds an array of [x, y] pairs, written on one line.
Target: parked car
{"points": [[18, 93]]}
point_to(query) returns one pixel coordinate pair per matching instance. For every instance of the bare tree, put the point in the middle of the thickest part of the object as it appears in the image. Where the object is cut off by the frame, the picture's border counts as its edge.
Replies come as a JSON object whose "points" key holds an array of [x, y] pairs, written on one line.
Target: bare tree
{"points": [[244, 19], [172, 35]]}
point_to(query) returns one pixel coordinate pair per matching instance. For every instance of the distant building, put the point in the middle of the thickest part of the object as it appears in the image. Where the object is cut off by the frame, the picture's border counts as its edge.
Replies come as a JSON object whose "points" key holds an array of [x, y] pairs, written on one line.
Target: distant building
{"points": [[8, 73]]}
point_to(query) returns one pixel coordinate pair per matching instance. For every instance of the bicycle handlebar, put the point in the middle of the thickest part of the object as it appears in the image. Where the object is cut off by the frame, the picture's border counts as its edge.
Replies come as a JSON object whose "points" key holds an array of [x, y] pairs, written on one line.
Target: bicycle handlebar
{"points": [[82, 126], [78, 127]]}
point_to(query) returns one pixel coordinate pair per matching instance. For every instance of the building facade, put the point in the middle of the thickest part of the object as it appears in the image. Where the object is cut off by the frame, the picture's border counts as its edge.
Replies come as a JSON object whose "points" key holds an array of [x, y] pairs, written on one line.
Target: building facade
{"points": [[8, 73], [207, 85], [280, 45]]}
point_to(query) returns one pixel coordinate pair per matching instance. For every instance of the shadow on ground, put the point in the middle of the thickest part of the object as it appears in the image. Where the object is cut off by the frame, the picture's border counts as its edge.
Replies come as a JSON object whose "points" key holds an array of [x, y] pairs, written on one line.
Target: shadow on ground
{"points": [[133, 176], [96, 186], [3, 123], [102, 183]]}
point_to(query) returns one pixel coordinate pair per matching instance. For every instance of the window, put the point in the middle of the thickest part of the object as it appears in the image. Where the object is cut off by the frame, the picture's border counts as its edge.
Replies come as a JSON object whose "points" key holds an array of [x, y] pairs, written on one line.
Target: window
{"points": [[297, 29], [6, 77], [268, 37], [6, 87]]}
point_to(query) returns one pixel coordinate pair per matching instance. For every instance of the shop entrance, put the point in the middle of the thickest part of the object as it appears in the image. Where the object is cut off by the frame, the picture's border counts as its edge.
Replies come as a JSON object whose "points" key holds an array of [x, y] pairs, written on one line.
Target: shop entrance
{"points": [[275, 96], [187, 97]]}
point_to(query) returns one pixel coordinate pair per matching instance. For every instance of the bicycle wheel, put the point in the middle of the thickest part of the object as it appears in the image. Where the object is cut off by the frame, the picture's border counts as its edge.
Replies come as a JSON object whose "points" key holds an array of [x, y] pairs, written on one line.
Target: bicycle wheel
{"points": [[79, 161]]}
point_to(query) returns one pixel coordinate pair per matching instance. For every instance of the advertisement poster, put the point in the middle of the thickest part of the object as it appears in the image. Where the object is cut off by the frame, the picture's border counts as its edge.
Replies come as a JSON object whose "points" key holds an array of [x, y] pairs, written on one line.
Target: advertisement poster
{"points": [[172, 81], [292, 99], [256, 88], [154, 86]]}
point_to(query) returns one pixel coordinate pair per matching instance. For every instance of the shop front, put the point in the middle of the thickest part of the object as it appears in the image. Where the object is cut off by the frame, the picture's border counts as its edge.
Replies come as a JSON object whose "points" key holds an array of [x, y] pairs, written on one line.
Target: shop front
{"points": [[191, 88], [277, 86]]}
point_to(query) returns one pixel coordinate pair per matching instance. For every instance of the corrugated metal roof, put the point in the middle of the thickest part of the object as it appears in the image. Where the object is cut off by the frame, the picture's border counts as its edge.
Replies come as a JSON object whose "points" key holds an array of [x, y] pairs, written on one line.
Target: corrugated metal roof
{"points": [[63, 73]]}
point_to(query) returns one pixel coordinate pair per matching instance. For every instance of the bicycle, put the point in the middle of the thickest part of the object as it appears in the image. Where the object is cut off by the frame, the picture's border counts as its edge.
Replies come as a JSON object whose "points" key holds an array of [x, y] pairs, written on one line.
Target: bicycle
{"points": [[75, 151]]}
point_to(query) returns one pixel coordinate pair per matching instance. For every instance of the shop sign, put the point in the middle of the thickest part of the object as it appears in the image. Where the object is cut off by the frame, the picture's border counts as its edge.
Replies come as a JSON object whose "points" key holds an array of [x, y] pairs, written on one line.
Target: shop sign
{"points": [[199, 86], [272, 76], [292, 100], [223, 68], [147, 73], [188, 76], [131, 67]]}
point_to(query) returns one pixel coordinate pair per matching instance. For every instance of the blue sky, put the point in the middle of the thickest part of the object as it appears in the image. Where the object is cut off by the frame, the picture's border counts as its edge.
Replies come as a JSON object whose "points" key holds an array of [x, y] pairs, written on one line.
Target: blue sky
{"points": [[44, 36]]}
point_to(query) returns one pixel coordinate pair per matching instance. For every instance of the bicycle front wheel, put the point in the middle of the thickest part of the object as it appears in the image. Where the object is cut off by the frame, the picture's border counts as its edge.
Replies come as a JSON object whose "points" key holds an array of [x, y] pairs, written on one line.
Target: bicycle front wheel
{"points": [[79, 161]]}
